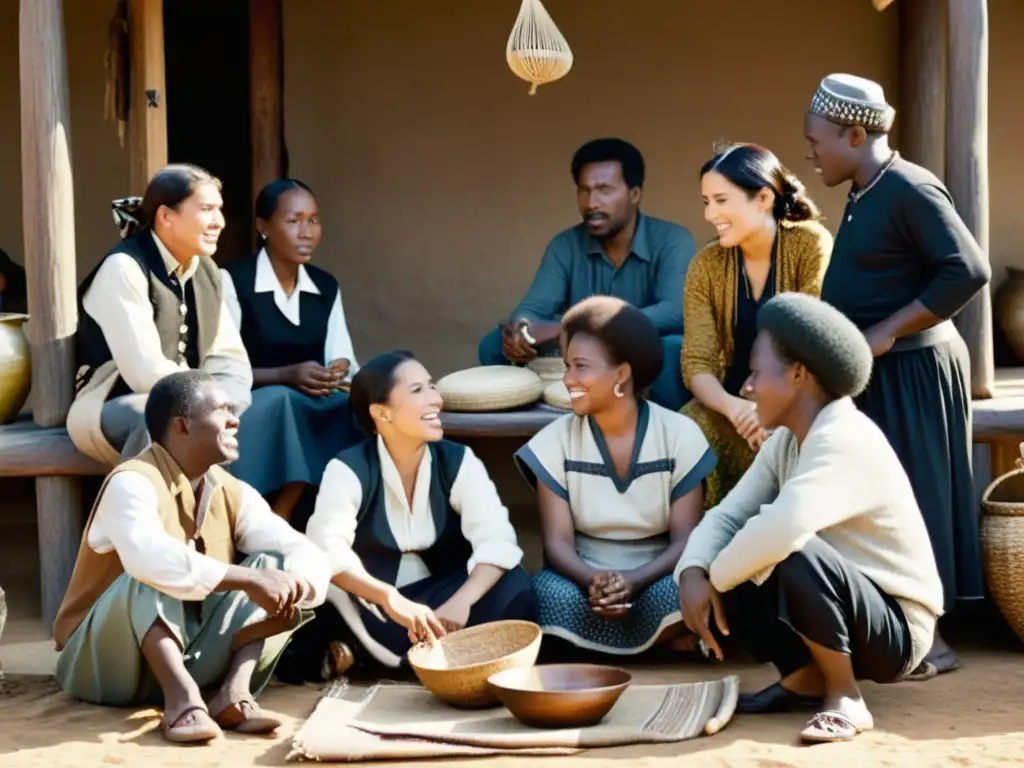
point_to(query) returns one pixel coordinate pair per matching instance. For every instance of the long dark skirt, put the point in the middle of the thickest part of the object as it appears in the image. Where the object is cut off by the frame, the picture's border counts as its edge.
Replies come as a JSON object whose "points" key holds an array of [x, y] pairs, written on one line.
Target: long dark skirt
{"points": [[921, 400], [288, 437], [377, 642]]}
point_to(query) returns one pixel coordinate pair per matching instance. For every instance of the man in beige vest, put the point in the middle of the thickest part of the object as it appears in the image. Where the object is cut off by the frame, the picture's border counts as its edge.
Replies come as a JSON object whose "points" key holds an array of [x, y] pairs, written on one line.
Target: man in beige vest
{"points": [[156, 604], [152, 306]]}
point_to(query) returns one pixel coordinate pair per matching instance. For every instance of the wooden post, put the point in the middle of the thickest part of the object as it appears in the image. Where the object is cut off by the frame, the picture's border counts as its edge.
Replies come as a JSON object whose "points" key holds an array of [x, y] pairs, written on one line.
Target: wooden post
{"points": [[147, 105], [266, 85], [967, 166], [922, 52], [49, 228]]}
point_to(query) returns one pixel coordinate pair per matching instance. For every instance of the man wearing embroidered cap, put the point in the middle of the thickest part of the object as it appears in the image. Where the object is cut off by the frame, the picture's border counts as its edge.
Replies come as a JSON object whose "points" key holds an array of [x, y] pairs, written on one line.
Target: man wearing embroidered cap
{"points": [[903, 264]]}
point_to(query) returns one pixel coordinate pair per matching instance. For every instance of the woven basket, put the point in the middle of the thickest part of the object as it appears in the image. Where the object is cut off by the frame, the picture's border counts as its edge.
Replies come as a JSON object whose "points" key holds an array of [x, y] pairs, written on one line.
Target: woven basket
{"points": [[490, 388], [557, 396], [1002, 545], [456, 668], [548, 368]]}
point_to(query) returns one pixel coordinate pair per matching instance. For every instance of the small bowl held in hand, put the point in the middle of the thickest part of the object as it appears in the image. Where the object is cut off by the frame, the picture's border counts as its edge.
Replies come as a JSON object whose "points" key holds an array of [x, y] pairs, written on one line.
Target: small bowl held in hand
{"points": [[560, 695]]}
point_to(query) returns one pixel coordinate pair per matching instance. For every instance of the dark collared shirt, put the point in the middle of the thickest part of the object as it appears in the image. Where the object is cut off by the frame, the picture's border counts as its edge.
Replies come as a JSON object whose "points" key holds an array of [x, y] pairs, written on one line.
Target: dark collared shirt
{"points": [[651, 278]]}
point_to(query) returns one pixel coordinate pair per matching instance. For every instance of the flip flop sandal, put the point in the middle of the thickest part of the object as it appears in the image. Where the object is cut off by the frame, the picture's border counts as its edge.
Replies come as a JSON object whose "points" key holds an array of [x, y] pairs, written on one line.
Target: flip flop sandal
{"points": [[198, 732], [247, 717], [829, 727]]}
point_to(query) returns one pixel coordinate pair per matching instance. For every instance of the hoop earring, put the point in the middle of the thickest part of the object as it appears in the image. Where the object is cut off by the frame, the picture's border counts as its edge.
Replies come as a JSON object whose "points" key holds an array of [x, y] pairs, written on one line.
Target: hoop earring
{"points": [[617, 390]]}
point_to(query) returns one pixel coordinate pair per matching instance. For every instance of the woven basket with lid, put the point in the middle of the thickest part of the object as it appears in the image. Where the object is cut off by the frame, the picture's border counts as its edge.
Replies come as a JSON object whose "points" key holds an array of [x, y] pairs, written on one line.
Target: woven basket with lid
{"points": [[456, 667], [1002, 544]]}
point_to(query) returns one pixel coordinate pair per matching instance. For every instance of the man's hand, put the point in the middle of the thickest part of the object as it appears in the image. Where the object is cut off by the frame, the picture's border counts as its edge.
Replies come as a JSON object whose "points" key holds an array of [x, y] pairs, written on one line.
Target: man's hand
{"points": [[697, 600], [276, 592], [418, 619], [454, 614], [311, 378], [880, 339], [339, 370], [514, 345]]}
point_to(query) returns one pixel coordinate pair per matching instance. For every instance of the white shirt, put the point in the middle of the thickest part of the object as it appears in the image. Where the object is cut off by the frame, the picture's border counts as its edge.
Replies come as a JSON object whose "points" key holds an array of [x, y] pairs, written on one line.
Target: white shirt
{"points": [[118, 300], [338, 344], [485, 522], [126, 522]]}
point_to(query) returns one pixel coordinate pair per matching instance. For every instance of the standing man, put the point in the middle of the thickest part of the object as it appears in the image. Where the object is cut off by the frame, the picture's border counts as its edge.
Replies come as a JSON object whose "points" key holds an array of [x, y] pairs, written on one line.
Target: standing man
{"points": [[153, 306], [616, 251], [157, 610], [902, 265]]}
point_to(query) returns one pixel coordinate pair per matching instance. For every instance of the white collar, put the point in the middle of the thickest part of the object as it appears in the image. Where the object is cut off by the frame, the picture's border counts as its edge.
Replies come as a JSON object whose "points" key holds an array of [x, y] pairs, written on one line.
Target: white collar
{"points": [[266, 278], [172, 264], [390, 475]]}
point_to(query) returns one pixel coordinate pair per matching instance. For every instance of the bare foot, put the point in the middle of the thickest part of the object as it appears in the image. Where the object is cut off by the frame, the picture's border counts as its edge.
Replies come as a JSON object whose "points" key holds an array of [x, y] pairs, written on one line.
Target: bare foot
{"points": [[189, 724]]}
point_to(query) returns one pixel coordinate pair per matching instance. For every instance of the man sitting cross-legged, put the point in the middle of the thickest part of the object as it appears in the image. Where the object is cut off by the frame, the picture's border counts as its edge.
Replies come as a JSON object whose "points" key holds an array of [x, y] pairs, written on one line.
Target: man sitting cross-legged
{"points": [[156, 604]]}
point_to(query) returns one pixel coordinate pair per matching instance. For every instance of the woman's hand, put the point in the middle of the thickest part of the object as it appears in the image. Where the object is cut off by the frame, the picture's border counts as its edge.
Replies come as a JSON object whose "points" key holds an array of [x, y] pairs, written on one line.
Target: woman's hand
{"points": [[610, 593], [742, 414], [339, 370], [421, 622], [311, 378], [454, 614]]}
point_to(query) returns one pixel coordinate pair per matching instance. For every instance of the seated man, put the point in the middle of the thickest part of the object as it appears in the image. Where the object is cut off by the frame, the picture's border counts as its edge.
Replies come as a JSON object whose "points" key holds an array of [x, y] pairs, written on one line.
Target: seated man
{"points": [[156, 609], [153, 306], [616, 251], [819, 552]]}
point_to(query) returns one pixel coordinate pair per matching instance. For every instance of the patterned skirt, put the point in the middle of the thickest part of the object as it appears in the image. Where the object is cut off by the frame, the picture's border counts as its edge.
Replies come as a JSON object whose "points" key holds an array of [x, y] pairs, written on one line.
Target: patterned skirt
{"points": [[563, 611], [734, 455]]}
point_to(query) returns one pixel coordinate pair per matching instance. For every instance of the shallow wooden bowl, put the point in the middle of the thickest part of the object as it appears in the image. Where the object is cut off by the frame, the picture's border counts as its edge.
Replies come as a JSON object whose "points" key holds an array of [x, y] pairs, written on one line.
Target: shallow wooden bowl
{"points": [[560, 695], [456, 667]]}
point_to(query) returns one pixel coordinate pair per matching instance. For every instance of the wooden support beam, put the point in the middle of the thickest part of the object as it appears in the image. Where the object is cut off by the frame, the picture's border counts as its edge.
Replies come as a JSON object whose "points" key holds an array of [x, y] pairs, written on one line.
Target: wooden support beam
{"points": [[266, 97], [967, 166], [49, 228], [922, 54], [147, 104]]}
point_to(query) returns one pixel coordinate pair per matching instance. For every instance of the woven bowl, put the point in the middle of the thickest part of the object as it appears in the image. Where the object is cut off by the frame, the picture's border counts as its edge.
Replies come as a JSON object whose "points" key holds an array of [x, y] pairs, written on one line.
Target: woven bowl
{"points": [[1002, 545], [557, 396], [456, 668], [490, 388], [561, 695], [548, 368]]}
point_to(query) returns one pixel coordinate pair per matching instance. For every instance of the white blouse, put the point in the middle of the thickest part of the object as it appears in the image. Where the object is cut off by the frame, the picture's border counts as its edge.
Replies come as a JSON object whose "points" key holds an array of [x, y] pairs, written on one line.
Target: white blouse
{"points": [[339, 342], [485, 521]]}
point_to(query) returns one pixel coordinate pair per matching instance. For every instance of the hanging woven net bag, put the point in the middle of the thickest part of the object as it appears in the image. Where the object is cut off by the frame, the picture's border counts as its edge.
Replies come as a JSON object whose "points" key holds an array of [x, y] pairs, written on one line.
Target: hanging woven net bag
{"points": [[536, 51]]}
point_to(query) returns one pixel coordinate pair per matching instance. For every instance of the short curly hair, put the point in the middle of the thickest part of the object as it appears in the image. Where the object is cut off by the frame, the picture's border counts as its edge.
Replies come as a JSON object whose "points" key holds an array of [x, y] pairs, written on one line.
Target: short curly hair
{"points": [[624, 331], [173, 397]]}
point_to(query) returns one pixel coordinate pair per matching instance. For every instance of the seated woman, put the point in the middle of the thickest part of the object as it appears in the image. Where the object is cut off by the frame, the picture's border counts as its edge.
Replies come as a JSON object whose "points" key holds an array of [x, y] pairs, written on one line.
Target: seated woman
{"points": [[293, 326], [619, 485], [769, 241], [411, 523], [818, 561]]}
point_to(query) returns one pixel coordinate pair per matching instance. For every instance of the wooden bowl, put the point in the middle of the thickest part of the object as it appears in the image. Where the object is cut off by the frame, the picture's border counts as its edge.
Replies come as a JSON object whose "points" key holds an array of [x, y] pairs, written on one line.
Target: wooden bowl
{"points": [[456, 667], [560, 695]]}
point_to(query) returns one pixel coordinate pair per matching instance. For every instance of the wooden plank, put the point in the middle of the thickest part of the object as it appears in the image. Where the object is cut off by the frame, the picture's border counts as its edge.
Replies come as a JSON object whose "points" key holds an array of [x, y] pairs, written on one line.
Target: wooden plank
{"points": [[520, 423], [922, 91], [266, 92], [49, 228], [967, 166], [30, 451], [147, 106]]}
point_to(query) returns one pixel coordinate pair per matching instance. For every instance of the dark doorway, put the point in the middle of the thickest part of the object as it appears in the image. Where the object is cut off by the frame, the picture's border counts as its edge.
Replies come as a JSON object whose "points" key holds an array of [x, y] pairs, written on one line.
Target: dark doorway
{"points": [[206, 52]]}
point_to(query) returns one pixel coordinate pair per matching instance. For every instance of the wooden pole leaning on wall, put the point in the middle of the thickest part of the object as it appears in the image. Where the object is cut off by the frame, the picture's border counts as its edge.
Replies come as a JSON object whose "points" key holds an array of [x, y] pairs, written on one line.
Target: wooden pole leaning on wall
{"points": [[266, 92], [147, 104], [49, 230], [967, 167], [922, 92]]}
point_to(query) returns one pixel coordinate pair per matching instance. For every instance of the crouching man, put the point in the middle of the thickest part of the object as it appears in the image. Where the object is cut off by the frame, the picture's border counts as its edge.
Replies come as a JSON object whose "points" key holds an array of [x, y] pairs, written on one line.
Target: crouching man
{"points": [[157, 609]]}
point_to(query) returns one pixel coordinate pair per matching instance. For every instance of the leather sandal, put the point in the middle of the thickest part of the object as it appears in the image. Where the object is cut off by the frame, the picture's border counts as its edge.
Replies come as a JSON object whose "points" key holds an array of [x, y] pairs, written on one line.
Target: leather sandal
{"points": [[774, 699], [202, 729], [248, 717]]}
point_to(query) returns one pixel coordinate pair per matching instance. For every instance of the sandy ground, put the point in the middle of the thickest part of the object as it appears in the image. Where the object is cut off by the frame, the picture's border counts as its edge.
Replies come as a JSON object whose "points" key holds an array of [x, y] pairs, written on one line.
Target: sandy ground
{"points": [[974, 717]]}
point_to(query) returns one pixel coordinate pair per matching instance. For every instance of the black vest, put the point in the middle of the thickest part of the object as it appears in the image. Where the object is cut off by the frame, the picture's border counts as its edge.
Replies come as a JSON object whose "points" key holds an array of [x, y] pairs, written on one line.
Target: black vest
{"points": [[270, 339], [374, 542], [201, 319]]}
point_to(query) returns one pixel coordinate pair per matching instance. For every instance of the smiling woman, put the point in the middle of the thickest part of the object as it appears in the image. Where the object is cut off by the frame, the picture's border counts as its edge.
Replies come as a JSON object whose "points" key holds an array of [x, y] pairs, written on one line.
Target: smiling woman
{"points": [[411, 523], [768, 242]]}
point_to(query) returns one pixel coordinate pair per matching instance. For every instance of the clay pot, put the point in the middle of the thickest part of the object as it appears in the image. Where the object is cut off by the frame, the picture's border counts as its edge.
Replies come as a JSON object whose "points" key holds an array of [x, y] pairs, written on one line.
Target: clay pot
{"points": [[15, 366], [1008, 309]]}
